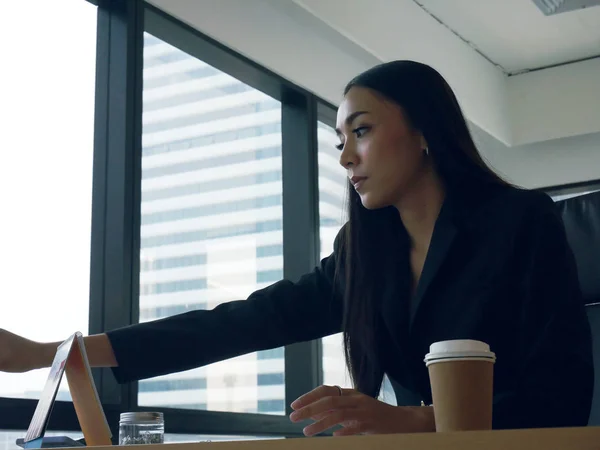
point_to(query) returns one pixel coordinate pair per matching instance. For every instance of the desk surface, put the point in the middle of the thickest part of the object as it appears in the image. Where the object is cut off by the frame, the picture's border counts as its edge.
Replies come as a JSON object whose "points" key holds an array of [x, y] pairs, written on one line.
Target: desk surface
{"points": [[587, 438]]}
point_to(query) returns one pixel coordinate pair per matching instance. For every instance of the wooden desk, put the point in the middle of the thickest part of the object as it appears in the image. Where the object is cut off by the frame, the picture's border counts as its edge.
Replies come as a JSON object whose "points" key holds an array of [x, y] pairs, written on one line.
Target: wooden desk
{"points": [[587, 438]]}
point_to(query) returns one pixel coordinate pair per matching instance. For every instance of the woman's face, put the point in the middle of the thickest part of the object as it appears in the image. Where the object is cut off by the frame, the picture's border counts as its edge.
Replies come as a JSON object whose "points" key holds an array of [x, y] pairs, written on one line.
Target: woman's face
{"points": [[384, 156]]}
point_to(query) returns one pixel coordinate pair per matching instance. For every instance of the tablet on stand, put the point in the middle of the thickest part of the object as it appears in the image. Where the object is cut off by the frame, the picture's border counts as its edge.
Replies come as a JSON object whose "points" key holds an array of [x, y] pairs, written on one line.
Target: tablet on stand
{"points": [[71, 359]]}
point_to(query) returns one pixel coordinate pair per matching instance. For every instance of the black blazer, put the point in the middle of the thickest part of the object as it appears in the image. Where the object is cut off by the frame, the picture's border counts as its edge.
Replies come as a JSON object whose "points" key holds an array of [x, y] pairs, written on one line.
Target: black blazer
{"points": [[499, 269]]}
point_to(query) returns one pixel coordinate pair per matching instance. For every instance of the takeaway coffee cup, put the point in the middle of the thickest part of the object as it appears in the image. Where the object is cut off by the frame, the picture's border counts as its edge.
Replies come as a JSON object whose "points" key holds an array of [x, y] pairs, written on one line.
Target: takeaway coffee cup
{"points": [[461, 375]]}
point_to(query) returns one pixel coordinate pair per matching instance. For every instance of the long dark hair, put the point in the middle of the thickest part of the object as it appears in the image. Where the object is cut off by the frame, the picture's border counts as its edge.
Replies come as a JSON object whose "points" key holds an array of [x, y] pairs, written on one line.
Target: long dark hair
{"points": [[431, 108]]}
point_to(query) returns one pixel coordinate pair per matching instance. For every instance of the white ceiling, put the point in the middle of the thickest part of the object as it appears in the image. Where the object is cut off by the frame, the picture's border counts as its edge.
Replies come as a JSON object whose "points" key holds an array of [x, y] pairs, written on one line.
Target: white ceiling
{"points": [[516, 35]]}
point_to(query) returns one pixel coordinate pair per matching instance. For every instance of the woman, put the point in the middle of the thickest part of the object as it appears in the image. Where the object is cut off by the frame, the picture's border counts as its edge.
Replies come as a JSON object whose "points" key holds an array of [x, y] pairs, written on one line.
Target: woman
{"points": [[437, 247]]}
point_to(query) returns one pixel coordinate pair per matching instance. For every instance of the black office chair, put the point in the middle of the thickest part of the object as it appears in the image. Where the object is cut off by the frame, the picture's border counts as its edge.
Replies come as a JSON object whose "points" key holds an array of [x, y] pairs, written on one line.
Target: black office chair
{"points": [[581, 216]]}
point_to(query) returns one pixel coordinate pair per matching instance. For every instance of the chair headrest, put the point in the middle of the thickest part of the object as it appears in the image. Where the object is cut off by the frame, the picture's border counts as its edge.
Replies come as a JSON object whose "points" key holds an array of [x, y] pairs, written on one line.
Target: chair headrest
{"points": [[581, 216]]}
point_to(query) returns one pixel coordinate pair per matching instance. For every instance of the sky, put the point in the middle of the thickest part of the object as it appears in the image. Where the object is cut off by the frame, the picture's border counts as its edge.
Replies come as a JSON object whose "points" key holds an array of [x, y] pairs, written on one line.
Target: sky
{"points": [[46, 141]]}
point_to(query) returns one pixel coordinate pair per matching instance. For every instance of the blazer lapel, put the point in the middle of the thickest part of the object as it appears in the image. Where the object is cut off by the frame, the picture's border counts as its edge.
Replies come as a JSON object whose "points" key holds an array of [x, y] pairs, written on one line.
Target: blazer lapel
{"points": [[441, 242], [398, 311]]}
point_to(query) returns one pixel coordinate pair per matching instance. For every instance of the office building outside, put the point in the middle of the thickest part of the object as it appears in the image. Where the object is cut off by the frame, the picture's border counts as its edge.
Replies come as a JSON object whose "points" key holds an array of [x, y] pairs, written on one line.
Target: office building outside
{"points": [[211, 224]]}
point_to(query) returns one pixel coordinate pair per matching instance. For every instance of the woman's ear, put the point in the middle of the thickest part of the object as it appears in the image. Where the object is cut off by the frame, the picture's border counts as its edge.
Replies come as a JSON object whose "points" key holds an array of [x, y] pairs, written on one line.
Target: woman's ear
{"points": [[423, 142]]}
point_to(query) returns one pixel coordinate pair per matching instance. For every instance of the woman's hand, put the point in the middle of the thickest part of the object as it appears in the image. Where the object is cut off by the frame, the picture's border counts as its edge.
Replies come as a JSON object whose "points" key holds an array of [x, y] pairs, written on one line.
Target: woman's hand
{"points": [[357, 414], [18, 354]]}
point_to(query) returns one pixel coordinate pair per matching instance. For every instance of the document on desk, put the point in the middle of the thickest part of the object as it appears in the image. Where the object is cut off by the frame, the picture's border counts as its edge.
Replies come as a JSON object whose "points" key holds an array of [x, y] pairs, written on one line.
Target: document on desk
{"points": [[71, 359]]}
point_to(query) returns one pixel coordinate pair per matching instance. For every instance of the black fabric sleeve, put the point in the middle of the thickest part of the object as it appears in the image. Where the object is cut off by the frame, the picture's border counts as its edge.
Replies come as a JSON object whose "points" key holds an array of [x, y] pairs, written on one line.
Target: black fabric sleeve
{"points": [[555, 376], [281, 314]]}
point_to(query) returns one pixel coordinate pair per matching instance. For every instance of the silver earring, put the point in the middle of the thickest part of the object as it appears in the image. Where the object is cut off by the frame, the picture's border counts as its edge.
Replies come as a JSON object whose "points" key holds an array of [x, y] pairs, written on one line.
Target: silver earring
{"points": [[426, 149]]}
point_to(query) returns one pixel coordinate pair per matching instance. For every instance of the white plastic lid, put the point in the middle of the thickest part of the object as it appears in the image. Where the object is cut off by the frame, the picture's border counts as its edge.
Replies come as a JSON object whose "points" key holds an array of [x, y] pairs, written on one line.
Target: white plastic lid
{"points": [[459, 348]]}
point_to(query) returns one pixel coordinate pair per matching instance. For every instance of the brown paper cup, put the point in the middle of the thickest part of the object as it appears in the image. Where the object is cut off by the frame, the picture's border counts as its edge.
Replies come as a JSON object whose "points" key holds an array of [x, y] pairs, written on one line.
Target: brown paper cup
{"points": [[462, 393], [461, 375]]}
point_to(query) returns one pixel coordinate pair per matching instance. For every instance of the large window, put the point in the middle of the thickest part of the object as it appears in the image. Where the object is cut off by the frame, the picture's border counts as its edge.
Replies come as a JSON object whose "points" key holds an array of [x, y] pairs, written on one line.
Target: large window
{"points": [[47, 109], [211, 219]]}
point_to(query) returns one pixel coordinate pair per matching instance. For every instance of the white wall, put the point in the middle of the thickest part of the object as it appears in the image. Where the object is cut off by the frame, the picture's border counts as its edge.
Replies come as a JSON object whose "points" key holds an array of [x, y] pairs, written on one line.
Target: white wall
{"points": [[543, 164], [558, 102]]}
